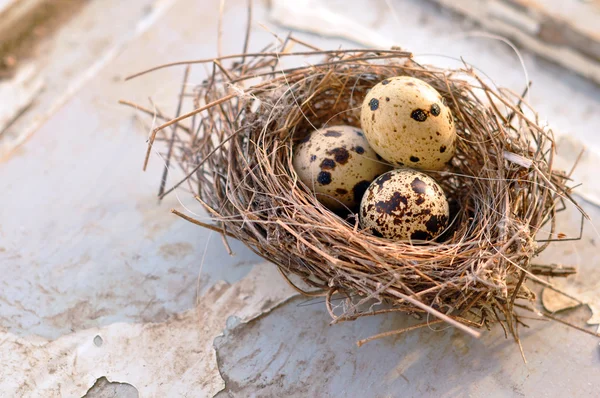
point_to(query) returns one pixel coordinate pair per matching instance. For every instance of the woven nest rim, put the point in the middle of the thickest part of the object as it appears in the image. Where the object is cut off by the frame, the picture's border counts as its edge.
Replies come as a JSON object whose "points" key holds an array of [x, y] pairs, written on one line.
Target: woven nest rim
{"points": [[237, 157]]}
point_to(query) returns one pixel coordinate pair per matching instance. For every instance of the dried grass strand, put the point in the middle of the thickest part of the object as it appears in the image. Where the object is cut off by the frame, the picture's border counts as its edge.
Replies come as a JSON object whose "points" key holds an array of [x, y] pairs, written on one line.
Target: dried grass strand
{"points": [[238, 163]]}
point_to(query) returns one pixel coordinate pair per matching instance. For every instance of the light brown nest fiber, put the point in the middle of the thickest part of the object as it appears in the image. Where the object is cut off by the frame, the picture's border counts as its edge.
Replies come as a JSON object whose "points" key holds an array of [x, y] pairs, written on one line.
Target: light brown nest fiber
{"points": [[236, 150]]}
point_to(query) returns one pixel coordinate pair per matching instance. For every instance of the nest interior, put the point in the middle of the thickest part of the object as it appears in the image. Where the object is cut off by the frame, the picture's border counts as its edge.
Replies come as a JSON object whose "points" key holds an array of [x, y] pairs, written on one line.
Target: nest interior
{"points": [[237, 149]]}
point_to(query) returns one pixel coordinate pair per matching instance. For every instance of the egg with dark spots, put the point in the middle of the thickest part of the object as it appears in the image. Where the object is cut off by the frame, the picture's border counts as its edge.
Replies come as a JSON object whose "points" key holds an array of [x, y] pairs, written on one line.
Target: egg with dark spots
{"points": [[404, 204], [405, 121], [340, 168]]}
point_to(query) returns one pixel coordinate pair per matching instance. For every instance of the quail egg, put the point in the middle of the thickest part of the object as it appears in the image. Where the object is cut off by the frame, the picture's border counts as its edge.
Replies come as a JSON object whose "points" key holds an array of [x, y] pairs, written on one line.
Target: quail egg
{"points": [[407, 123], [338, 164], [404, 204]]}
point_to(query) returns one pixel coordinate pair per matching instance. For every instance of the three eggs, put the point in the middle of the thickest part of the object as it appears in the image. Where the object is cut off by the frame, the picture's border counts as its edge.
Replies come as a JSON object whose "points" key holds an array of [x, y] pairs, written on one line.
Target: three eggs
{"points": [[405, 123]]}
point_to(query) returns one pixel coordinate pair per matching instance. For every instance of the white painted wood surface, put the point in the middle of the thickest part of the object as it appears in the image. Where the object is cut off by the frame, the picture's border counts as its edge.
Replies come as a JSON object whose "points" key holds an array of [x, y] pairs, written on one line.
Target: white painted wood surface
{"points": [[86, 251]]}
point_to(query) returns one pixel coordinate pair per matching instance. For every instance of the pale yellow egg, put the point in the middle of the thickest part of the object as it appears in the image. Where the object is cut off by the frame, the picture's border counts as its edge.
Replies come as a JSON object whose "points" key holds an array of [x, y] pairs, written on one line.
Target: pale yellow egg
{"points": [[337, 164], [404, 204], [408, 124]]}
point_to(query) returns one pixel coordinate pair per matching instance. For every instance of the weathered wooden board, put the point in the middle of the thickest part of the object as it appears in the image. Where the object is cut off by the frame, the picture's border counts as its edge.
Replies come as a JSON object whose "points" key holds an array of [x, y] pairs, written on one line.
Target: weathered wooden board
{"points": [[99, 280], [564, 31]]}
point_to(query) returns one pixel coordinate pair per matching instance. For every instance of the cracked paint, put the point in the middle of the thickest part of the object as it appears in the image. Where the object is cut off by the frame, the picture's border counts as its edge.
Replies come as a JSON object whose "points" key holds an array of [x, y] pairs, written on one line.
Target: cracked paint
{"points": [[113, 304], [159, 359], [295, 352], [585, 285], [554, 301], [103, 388]]}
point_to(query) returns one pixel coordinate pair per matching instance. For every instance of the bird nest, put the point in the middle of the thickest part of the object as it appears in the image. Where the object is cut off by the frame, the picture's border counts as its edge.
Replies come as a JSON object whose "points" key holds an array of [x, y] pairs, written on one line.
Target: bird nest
{"points": [[236, 149]]}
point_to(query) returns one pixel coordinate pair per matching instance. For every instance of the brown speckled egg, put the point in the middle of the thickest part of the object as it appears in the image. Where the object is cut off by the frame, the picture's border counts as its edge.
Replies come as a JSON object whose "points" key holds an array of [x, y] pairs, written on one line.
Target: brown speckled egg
{"points": [[404, 204], [338, 164], [407, 123]]}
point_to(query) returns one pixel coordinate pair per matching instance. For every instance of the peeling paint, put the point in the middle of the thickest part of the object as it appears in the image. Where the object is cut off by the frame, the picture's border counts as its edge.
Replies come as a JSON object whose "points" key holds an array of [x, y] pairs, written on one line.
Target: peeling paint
{"points": [[175, 357], [103, 388], [128, 267], [584, 287], [554, 301], [295, 352], [583, 253]]}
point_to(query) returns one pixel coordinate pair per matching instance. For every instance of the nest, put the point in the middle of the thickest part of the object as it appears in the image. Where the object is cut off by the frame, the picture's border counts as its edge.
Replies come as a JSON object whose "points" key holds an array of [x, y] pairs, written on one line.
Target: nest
{"points": [[236, 150]]}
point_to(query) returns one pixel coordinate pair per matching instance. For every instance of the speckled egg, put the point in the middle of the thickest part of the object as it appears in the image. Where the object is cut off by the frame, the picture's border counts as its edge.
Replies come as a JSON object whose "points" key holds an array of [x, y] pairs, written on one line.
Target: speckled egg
{"points": [[338, 164], [404, 204], [407, 123]]}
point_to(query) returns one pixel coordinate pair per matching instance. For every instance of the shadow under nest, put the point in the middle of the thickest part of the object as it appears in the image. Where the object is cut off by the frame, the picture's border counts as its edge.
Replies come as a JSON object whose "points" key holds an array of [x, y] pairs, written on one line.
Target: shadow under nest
{"points": [[504, 193]]}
